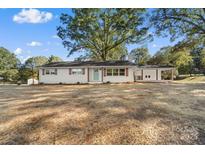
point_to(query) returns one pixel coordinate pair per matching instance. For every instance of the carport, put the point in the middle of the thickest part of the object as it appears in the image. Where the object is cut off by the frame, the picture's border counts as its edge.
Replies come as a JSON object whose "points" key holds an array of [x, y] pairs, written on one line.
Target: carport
{"points": [[154, 73]]}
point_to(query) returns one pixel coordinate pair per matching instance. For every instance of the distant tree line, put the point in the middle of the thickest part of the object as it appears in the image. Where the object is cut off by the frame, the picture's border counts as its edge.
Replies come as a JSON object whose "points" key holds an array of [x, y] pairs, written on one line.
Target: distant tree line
{"points": [[185, 61], [13, 71]]}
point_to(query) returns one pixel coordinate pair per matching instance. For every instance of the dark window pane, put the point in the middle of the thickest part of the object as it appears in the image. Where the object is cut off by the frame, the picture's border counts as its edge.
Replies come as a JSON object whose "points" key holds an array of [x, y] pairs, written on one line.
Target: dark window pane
{"points": [[115, 72], [122, 72], [47, 72], [109, 72]]}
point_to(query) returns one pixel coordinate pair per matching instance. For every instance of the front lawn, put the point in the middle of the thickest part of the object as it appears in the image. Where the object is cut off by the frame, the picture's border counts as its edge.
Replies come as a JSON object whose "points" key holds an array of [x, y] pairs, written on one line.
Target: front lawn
{"points": [[140, 113]]}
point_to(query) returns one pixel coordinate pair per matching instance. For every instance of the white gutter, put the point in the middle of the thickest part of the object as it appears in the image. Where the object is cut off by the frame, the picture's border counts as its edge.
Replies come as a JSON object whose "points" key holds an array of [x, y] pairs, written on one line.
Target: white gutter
{"points": [[84, 67]]}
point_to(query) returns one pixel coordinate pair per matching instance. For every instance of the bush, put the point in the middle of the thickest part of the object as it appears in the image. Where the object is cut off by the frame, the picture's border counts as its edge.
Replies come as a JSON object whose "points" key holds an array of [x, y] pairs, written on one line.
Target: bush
{"points": [[10, 75], [19, 83], [166, 75]]}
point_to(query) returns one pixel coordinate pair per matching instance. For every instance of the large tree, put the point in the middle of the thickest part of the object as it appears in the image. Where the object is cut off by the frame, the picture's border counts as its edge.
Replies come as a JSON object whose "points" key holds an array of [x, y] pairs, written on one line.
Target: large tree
{"points": [[8, 65], [140, 55], [202, 58], [182, 60], [8, 60], [198, 55], [102, 32], [188, 23], [30, 67], [115, 54], [161, 57], [36, 61]]}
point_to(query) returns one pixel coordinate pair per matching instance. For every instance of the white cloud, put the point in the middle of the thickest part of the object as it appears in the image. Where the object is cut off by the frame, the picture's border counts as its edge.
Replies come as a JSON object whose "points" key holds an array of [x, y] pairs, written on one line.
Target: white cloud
{"points": [[33, 16], [23, 59], [55, 36], [34, 44], [154, 45], [18, 51]]}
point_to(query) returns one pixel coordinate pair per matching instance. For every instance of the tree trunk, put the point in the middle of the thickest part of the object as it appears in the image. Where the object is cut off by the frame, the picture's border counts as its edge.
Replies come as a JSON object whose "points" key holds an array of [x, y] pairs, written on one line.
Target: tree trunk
{"points": [[33, 75], [103, 57]]}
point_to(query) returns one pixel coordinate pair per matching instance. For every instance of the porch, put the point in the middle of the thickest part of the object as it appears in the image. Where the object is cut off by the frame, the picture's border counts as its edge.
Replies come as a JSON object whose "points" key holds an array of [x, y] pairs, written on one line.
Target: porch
{"points": [[110, 74]]}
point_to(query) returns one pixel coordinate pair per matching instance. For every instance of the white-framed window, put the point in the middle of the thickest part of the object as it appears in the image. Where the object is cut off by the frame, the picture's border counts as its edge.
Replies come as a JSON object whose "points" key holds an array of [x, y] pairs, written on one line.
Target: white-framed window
{"points": [[77, 71], [51, 71], [47, 72], [116, 72], [122, 72], [109, 72]]}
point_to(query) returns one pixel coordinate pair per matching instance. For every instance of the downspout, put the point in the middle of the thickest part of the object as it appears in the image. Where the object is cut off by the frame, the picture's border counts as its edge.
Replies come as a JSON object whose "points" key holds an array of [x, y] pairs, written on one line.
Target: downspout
{"points": [[102, 73]]}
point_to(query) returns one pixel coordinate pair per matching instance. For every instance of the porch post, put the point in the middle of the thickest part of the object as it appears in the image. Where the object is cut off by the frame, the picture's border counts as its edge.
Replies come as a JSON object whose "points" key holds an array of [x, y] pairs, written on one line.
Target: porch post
{"points": [[156, 74], [88, 74], [142, 73], [102, 72], [172, 74]]}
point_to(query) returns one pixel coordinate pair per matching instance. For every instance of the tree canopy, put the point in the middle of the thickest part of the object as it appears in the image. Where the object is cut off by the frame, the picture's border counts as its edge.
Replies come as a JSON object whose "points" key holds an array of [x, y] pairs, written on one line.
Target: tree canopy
{"points": [[140, 55], [161, 57], [187, 22], [34, 62], [53, 58], [29, 69], [8, 65], [102, 32], [8, 60], [182, 60]]}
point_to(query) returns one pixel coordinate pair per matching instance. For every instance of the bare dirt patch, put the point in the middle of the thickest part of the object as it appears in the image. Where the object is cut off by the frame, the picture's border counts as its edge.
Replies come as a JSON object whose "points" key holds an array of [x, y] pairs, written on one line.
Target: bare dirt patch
{"points": [[149, 113]]}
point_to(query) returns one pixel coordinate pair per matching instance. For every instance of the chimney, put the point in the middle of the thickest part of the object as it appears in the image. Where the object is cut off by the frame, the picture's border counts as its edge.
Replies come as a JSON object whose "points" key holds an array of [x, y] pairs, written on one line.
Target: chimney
{"points": [[124, 58]]}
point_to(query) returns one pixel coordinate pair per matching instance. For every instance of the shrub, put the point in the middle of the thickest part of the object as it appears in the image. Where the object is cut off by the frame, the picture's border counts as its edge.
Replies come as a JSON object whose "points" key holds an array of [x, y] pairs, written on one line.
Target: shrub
{"points": [[19, 83]]}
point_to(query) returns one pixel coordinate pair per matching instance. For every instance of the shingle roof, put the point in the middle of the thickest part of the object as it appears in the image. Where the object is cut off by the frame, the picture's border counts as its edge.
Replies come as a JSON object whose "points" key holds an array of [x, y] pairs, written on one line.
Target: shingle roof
{"points": [[89, 63], [156, 66]]}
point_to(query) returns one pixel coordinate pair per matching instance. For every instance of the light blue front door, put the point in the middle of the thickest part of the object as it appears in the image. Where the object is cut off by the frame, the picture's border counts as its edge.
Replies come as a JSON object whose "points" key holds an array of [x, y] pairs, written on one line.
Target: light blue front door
{"points": [[96, 74]]}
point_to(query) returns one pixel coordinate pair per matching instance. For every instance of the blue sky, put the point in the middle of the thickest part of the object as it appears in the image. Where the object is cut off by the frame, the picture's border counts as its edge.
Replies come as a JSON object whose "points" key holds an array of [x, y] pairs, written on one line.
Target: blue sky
{"points": [[32, 32]]}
